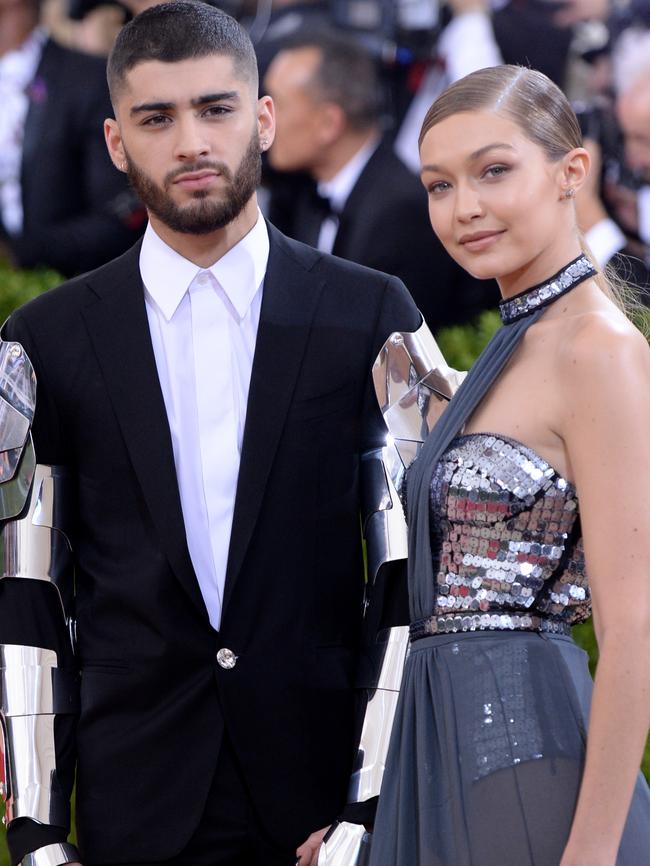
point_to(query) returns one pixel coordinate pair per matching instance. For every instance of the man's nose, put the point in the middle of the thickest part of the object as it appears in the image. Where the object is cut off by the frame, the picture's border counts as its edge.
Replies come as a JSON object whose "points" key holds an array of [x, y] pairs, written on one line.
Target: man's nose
{"points": [[191, 141]]}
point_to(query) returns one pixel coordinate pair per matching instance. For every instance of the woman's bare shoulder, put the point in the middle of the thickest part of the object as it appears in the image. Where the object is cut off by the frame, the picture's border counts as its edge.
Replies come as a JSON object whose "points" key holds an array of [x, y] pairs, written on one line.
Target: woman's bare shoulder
{"points": [[602, 350]]}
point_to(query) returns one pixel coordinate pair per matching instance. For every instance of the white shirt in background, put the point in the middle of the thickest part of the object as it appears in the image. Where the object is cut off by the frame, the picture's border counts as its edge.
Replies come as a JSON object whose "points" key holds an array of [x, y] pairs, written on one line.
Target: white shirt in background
{"points": [[203, 324], [17, 71]]}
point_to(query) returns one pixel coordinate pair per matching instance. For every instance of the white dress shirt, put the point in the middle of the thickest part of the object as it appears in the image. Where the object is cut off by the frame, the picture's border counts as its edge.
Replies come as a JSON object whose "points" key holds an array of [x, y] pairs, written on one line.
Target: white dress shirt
{"points": [[17, 71], [605, 239], [338, 190], [644, 214], [203, 326]]}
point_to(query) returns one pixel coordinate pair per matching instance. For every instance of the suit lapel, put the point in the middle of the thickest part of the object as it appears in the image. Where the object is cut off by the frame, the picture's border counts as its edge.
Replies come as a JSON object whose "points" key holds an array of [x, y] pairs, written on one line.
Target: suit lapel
{"points": [[119, 330], [290, 298]]}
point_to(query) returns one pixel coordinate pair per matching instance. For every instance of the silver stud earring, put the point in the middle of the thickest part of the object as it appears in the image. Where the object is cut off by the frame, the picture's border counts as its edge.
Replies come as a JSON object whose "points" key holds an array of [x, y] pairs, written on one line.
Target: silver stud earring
{"points": [[569, 193]]}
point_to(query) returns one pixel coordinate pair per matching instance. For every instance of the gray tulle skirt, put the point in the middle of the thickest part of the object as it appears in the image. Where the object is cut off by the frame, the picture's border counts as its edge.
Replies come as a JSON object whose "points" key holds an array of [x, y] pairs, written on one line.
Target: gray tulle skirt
{"points": [[487, 754]]}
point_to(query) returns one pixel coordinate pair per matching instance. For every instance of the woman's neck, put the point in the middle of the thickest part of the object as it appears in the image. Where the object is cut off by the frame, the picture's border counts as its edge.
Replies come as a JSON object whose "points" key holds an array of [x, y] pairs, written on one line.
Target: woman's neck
{"points": [[539, 269]]}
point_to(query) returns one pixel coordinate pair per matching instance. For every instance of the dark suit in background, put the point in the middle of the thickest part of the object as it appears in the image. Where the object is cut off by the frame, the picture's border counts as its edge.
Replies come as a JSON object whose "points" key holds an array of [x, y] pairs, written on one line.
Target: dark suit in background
{"points": [[384, 225], [156, 705], [78, 211]]}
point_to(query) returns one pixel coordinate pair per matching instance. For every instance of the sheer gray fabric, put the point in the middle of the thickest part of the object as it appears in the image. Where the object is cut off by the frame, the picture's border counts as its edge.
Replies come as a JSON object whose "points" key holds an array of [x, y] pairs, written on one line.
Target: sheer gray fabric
{"points": [[487, 755]]}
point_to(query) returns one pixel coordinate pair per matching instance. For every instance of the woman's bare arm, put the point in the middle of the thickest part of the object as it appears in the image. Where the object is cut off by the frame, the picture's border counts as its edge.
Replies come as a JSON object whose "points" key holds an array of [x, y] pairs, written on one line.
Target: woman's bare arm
{"points": [[606, 427]]}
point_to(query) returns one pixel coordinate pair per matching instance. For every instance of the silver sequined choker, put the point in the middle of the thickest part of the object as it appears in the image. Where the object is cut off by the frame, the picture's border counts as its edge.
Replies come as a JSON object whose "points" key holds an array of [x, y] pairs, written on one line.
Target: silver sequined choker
{"points": [[539, 296]]}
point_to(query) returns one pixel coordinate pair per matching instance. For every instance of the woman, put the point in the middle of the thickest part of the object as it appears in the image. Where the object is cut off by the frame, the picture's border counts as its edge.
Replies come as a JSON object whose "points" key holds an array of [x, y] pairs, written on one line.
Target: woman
{"points": [[540, 464]]}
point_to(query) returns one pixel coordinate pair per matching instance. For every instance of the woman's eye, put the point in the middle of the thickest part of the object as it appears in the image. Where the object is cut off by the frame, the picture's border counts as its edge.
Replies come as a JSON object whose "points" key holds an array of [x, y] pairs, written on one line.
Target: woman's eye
{"points": [[438, 187], [495, 170]]}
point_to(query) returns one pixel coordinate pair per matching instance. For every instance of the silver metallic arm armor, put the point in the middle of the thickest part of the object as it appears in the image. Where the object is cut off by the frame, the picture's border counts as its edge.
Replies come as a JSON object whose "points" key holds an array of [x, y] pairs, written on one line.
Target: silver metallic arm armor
{"points": [[34, 690], [413, 385]]}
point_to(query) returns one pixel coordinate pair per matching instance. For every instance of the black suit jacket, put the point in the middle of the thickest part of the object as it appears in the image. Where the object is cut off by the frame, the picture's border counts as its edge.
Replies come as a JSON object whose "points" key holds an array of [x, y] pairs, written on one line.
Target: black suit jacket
{"points": [[78, 209], [155, 703], [384, 225]]}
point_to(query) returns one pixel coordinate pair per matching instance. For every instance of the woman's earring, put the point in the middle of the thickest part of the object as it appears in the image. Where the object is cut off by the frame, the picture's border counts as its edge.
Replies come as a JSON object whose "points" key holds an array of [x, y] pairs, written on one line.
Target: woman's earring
{"points": [[569, 193]]}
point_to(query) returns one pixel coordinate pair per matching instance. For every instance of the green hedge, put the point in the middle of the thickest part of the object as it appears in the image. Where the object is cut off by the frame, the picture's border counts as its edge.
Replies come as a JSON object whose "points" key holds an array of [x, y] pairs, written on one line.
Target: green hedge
{"points": [[17, 287], [460, 346]]}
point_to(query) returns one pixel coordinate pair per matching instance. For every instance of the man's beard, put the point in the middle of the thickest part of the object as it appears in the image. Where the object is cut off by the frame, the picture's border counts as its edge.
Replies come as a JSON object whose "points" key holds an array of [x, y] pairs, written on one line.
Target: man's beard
{"points": [[204, 214]]}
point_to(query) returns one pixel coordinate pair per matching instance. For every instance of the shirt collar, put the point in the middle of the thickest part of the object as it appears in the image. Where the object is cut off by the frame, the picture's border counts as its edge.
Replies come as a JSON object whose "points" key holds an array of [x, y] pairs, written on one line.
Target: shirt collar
{"points": [[240, 272], [338, 188]]}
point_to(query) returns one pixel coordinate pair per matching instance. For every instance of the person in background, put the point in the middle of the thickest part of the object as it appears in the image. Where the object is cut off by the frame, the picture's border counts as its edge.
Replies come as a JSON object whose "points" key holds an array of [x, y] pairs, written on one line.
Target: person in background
{"points": [[367, 206], [614, 204], [62, 204]]}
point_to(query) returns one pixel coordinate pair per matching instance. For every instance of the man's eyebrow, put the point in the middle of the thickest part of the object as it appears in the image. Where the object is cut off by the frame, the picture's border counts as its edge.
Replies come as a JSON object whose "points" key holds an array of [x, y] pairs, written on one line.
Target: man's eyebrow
{"points": [[477, 154], [151, 106], [219, 96]]}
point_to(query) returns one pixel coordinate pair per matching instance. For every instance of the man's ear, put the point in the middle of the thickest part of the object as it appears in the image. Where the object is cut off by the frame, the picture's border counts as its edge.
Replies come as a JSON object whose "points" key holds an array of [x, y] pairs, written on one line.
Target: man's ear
{"points": [[114, 144], [331, 122], [266, 121]]}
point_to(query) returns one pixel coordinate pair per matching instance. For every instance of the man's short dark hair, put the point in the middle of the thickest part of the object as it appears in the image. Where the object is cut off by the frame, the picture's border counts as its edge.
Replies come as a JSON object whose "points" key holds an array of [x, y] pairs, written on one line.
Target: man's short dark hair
{"points": [[346, 75], [180, 30]]}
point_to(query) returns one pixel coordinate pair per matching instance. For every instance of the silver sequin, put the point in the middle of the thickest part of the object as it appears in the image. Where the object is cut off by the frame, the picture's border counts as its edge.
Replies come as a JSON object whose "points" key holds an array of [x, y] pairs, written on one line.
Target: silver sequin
{"points": [[510, 552]]}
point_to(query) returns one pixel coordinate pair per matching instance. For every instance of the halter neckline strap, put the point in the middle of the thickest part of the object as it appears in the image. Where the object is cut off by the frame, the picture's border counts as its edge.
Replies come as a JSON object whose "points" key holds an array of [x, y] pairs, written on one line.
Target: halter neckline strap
{"points": [[527, 302]]}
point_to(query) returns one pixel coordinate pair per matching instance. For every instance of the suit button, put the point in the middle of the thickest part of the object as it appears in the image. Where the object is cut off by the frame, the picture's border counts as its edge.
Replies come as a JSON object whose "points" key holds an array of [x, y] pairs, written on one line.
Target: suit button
{"points": [[226, 658]]}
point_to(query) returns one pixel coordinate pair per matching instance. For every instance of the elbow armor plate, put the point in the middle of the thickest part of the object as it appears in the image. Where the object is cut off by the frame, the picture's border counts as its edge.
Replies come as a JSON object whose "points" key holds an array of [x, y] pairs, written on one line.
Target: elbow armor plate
{"points": [[413, 384], [33, 546]]}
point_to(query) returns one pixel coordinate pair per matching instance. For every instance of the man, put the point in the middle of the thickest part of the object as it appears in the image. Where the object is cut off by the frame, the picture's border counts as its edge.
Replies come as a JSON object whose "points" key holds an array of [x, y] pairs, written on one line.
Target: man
{"points": [[622, 240], [209, 395], [62, 204], [372, 210]]}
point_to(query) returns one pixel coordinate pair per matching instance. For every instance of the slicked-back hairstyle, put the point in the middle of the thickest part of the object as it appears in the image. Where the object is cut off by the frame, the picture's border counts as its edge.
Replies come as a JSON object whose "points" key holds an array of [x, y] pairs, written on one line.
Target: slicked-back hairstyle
{"points": [[525, 96], [180, 30], [346, 75], [544, 115]]}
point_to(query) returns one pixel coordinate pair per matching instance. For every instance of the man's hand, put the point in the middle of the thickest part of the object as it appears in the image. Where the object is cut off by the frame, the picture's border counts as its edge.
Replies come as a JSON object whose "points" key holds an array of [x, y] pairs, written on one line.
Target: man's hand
{"points": [[307, 854]]}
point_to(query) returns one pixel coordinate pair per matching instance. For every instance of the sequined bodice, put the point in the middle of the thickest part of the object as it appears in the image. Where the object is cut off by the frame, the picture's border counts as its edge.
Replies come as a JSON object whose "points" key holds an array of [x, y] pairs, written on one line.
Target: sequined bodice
{"points": [[505, 537]]}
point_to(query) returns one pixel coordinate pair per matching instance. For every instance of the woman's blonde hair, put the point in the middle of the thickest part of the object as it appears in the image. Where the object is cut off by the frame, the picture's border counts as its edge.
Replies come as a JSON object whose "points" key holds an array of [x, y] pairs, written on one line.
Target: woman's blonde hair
{"points": [[543, 114]]}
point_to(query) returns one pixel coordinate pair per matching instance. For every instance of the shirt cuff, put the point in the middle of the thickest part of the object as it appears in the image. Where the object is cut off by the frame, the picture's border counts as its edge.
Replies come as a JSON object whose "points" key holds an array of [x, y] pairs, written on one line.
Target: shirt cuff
{"points": [[468, 43], [605, 239]]}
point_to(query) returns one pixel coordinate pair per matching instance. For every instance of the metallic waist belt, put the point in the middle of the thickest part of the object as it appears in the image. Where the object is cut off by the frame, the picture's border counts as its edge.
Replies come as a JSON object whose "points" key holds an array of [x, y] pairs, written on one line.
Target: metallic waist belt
{"points": [[495, 621]]}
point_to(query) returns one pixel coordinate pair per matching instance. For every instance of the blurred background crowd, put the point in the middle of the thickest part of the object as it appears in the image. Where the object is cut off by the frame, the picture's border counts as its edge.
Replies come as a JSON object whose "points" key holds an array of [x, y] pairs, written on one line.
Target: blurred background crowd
{"points": [[352, 80]]}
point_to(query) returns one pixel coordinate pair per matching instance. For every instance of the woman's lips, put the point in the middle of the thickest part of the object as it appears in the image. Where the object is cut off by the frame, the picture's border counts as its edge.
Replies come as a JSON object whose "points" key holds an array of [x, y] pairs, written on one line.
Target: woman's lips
{"points": [[480, 240]]}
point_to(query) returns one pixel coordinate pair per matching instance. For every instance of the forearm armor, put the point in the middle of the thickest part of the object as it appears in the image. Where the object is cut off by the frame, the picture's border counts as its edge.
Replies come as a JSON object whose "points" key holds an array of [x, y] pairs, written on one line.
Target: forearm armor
{"points": [[413, 385], [34, 690]]}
